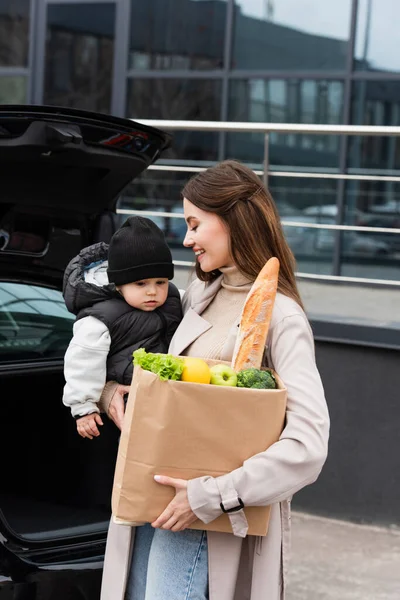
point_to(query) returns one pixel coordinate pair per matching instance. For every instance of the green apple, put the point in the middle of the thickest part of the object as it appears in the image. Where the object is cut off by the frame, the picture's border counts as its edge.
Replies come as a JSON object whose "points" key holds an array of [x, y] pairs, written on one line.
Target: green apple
{"points": [[223, 375]]}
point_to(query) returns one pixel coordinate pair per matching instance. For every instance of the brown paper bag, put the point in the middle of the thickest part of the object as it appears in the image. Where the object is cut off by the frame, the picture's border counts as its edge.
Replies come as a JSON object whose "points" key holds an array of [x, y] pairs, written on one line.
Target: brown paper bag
{"points": [[188, 430]]}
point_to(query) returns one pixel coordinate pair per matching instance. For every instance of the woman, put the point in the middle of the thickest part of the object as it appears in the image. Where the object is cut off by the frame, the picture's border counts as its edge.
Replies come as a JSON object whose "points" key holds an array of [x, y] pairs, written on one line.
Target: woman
{"points": [[233, 229]]}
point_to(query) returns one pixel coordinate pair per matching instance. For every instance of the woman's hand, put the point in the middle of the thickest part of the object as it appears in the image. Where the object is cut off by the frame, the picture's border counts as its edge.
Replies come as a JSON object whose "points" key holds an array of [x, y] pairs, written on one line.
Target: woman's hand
{"points": [[116, 410], [178, 515]]}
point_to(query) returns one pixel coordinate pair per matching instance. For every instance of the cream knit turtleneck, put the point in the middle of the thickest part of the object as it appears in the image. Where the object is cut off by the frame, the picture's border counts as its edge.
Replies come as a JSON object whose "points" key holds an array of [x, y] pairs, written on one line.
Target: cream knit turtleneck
{"points": [[221, 313]]}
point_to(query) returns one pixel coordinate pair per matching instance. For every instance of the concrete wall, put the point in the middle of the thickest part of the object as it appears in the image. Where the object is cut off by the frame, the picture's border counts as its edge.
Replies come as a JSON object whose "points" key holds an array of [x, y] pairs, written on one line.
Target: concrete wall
{"points": [[360, 481]]}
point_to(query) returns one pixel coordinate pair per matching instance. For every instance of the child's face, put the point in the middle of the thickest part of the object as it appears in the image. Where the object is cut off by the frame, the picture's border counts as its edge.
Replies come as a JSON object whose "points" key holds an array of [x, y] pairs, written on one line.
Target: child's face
{"points": [[146, 294]]}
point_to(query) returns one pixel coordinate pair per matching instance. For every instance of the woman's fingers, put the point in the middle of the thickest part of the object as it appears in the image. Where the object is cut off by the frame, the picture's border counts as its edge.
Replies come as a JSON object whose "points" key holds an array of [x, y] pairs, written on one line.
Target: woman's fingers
{"points": [[171, 523], [123, 389], [171, 481], [116, 410], [178, 515], [165, 516]]}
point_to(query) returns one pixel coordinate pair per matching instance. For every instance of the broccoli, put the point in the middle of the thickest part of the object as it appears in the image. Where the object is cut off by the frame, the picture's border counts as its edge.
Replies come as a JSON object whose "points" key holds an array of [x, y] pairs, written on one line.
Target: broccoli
{"points": [[256, 379]]}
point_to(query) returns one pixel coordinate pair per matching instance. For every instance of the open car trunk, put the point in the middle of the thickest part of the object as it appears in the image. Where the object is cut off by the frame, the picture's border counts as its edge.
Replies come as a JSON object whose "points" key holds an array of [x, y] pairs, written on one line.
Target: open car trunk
{"points": [[58, 484]]}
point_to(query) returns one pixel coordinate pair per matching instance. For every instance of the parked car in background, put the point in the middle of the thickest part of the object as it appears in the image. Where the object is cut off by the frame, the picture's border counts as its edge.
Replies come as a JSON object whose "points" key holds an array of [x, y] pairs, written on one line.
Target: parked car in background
{"points": [[388, 221], [384, 215], [331, 211], [309, 241], [62, 171], [391, 207]]}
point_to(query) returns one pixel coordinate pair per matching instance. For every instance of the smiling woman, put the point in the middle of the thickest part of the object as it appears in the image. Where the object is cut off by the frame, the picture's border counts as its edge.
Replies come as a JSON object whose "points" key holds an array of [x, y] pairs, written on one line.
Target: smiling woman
{"points": [[234, 230]]}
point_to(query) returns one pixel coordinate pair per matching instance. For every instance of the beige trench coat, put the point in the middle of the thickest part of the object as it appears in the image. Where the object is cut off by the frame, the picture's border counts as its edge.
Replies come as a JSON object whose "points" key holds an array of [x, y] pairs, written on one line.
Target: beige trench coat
{"points": [[249, 568]]}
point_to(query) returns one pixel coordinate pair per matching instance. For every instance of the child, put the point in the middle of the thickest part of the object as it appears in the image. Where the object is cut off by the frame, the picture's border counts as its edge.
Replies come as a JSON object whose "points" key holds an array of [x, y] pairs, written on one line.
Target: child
{"points": [[122, 300]]}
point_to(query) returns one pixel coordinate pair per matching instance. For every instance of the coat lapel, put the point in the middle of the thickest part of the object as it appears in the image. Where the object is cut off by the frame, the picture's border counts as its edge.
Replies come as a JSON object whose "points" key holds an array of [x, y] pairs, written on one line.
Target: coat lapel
{"points": [[195, 301], [190, 328]]}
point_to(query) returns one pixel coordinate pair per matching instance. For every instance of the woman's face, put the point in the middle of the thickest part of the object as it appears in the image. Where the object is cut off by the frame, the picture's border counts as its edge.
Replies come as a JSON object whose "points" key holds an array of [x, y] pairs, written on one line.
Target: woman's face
{"points": [[208, 237]]}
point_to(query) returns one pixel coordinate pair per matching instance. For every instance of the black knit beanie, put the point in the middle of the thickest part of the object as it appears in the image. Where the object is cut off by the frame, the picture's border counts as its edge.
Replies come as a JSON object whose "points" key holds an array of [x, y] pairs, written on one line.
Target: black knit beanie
{"points": [[138, 250]]}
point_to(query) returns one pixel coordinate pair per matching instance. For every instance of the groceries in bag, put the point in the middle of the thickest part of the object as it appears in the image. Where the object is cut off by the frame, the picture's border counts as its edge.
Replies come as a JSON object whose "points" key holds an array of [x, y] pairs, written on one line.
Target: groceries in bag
{"points": [[196, 370]]}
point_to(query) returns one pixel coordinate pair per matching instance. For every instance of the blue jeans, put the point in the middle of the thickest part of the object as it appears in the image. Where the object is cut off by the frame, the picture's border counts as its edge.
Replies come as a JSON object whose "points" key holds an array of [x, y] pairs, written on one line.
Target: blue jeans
{"points": [[168, 565]]}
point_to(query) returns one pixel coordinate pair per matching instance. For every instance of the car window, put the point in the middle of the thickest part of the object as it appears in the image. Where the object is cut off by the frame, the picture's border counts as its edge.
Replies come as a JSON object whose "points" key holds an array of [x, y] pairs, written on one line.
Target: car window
{"points": [[34, 322]]}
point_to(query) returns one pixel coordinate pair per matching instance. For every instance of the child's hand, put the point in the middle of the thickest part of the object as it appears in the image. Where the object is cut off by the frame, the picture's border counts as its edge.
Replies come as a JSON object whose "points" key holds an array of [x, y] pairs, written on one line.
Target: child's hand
{"points": [[87, 425]]}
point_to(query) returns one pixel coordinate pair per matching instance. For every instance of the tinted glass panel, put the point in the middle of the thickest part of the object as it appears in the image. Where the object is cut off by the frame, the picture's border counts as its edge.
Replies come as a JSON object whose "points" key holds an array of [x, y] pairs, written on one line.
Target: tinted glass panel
{"points": [[291, 34], [13, 90], [377, 38], [373, 198], [14, 32], [313, 248], [34, 323], [374, 255], [373, 204], [184, 34], [79, 56], [375, 103], [309, 202], [160, 192], [286, 101], [181, 99]]}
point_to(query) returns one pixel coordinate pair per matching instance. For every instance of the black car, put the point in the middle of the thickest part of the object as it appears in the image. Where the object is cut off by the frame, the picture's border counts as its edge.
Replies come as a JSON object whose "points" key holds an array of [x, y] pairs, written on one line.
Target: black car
{"points": [[62, 172]]}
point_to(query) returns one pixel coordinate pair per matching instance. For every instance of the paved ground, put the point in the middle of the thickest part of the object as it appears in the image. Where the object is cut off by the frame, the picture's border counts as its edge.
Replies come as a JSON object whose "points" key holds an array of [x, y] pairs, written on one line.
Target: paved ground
{"points": [[335, 560], [379, 307], [339, 302]]}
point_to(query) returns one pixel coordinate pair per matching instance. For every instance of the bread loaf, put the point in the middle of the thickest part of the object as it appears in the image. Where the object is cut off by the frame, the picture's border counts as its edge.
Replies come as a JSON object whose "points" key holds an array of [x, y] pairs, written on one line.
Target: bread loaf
{"points": [[256, 318]]}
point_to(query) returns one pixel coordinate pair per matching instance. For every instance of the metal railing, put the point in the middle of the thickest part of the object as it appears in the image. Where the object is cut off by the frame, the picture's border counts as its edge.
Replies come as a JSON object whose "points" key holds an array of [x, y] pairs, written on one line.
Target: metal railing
{"points": [[283, 128]]}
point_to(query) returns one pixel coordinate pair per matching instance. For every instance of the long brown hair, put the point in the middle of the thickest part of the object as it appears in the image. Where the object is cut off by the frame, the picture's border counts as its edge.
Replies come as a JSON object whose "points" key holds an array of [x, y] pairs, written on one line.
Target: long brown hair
{"points": [[236, 194]]}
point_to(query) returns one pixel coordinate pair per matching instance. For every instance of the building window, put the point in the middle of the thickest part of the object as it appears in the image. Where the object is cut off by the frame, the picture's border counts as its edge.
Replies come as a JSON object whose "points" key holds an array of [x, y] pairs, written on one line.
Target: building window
{"points": [[183, 34], [13, 89], [14, 33], [79, 56], [286, 101], [291, 35], [375, 103], [179, 99]]}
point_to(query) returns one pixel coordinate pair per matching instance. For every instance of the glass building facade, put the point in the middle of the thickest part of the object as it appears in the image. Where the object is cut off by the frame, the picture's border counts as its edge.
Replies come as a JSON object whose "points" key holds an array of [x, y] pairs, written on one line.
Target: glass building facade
{"points": [[290, 61]]}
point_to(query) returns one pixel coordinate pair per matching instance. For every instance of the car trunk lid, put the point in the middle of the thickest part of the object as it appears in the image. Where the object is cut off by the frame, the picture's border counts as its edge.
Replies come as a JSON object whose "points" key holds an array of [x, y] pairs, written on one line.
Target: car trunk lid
{"points": [[62, 173]]}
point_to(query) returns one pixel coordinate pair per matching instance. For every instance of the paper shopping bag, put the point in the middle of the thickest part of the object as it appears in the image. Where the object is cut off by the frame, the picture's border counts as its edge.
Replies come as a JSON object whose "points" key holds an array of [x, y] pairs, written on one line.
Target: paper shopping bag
{"points": [[188, 430]]}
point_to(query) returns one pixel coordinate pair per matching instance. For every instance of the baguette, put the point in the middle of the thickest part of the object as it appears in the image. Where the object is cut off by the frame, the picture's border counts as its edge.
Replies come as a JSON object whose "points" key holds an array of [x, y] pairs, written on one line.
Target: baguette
{"points": [[255, 318]]}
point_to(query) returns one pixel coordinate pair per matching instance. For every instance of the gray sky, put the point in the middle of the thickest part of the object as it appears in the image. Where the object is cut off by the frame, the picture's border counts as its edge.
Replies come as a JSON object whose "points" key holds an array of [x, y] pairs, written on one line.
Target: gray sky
{"points": [[384, 38]]}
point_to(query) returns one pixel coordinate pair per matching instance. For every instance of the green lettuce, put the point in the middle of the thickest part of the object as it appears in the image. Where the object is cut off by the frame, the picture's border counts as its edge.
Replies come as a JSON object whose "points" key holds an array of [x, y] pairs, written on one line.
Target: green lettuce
{"points": [[166, 366]]}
